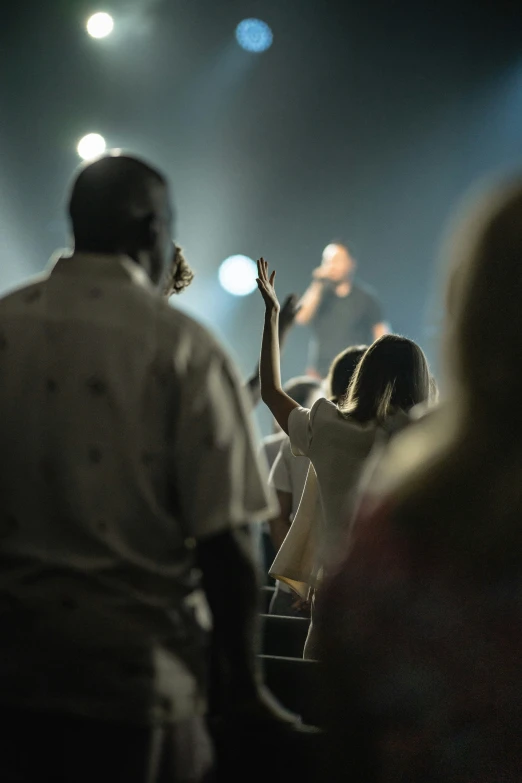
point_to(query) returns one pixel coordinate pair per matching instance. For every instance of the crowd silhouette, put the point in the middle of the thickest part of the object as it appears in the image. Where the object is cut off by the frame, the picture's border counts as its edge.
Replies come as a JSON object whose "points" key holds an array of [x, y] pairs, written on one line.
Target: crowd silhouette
{"points": [[180, 602]]}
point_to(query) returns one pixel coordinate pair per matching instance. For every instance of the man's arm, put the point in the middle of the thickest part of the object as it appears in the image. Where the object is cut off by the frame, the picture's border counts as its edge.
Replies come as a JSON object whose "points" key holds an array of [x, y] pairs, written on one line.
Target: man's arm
{"points": [[310, 302], [230, 584], [218, 486], [280, 525]]}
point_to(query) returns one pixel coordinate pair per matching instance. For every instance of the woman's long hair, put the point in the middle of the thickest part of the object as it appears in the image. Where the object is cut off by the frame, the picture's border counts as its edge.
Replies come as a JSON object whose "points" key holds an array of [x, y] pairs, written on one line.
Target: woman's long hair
{"points": [[392, 375], [464, 496]]}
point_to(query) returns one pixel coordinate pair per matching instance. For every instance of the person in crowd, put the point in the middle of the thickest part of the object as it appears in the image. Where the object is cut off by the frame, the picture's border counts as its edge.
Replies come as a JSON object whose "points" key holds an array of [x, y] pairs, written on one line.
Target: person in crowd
{"points": [[178, 276], [342, 371], [391, 378], [295, 562], [305, 390], [127, 475], [289, 310], [341, 310], [421, 624]]}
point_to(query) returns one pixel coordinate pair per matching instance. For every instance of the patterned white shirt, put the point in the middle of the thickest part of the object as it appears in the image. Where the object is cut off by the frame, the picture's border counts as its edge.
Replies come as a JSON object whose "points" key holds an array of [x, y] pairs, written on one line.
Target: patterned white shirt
{"points": [[125, 438]]}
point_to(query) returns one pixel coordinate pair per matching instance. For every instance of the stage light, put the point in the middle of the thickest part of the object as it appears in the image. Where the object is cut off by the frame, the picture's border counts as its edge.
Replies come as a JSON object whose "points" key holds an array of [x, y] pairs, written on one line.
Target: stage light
{"points": [[237, 275], [253, 35], [91, 146], [100, 25]]}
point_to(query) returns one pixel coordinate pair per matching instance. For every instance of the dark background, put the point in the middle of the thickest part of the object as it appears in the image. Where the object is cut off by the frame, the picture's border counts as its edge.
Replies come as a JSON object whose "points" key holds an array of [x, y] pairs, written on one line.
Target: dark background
{"points": [[366, 121]]}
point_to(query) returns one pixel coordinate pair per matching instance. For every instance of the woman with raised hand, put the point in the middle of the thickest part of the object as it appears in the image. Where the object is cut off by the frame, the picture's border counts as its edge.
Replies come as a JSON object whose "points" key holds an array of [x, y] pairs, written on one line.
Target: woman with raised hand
{"points": [[392, 378]]}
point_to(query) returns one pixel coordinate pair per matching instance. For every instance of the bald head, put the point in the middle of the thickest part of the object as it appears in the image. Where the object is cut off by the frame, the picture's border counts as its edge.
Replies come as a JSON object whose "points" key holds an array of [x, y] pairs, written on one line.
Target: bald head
{"points": [[121, 205], [339, 262]]}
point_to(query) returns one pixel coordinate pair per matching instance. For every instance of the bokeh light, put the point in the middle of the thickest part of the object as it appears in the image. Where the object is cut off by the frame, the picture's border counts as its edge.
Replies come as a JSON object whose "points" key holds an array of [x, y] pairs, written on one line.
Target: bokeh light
{"points": [[253, 35], [100, 25], [91, 146], [237, 275]]}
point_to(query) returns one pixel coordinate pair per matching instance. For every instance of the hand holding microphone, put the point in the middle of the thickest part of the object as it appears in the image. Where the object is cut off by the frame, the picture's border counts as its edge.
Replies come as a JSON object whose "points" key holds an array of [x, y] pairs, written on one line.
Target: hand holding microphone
{"points": [[321, 274]]}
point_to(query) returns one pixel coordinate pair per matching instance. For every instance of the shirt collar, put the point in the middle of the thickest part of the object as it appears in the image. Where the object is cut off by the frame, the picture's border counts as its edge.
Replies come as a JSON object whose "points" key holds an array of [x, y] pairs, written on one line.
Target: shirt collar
{"points": [[108, 266]]}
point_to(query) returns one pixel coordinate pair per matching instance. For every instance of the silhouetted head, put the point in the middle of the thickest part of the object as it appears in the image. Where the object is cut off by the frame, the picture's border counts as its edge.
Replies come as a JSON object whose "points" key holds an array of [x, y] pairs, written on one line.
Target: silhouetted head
{"points": [[303, 390], [342, 370], [121, 205], [484, 303], [339, 262], [392, 375]]}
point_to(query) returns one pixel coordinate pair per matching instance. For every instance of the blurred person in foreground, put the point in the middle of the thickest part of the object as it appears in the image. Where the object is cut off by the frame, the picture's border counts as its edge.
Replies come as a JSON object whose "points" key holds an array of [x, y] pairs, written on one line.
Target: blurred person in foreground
{"points": [[340, 309], [421, 625], [295, 538], [391, 378], [127, 474]]}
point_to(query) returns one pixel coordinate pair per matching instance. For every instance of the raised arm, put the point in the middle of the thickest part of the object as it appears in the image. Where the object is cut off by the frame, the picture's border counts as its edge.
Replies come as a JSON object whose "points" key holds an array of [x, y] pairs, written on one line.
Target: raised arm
{"points": [[287, 317], [272, 394]]}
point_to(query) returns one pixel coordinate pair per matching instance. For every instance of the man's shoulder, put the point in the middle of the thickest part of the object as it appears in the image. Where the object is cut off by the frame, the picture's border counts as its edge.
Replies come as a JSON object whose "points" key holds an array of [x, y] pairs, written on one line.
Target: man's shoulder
{"points": [[365, 291], [189, 336], [25, 292]]}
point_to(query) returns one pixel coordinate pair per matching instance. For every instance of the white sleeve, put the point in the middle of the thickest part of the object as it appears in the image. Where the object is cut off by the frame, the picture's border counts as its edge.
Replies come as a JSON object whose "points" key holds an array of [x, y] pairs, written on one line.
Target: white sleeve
{"points": [[280, 473], [301, 428], [220, 482]]}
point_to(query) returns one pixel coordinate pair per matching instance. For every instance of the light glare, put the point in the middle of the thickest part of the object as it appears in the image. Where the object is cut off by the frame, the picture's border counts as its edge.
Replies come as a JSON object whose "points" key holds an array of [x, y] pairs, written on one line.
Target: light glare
{"points": [[253, 35], [100, 25], [237, 275], [91, 146]]}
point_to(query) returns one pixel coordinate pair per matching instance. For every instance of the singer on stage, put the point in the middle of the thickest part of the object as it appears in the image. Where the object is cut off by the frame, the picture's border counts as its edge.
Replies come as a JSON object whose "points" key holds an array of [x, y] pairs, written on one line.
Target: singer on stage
{"points": [[340, 311]]}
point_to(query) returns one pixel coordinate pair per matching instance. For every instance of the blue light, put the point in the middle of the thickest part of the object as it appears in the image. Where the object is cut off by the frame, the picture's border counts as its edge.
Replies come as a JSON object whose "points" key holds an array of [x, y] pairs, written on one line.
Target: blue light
{"points": [[253, 35], [237, 275]]}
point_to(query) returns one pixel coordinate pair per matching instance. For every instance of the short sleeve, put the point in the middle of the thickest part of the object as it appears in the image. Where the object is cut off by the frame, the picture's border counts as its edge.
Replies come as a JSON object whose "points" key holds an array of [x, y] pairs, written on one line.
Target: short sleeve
{"points": [[375, 314], [220, 482], [280, 477], [301, 426]]}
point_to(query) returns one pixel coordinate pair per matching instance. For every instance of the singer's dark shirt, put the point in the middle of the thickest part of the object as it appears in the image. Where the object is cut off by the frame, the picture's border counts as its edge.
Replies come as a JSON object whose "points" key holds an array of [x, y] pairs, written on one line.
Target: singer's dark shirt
{"points": [[341, 321]]}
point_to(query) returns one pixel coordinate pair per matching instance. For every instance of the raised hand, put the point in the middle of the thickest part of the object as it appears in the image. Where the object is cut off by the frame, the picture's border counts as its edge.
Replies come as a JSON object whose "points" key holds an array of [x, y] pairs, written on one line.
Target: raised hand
{"points": [[265, 283], [320, 273]]}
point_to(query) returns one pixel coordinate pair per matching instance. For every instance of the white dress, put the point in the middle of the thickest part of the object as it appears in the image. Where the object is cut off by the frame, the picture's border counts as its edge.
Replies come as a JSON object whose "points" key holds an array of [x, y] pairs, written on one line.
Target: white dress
{"points": [[338, 449]]}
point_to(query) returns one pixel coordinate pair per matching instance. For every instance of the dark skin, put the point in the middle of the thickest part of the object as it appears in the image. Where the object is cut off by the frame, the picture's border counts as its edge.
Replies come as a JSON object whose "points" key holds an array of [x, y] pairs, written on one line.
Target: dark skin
{"points": [[227, 570]]}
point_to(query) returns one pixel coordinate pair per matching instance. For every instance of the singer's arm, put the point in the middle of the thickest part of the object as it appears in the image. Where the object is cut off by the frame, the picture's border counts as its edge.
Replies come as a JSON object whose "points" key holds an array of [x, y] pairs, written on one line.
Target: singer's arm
{"points": [[310, 302]]}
